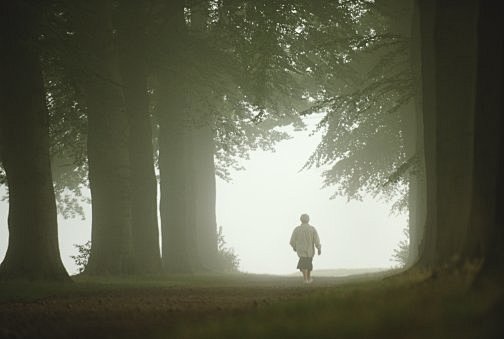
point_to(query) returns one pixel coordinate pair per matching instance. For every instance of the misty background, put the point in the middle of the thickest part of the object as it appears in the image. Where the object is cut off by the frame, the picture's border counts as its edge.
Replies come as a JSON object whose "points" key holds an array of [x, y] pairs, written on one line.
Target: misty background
{"points": [[261, 205]]}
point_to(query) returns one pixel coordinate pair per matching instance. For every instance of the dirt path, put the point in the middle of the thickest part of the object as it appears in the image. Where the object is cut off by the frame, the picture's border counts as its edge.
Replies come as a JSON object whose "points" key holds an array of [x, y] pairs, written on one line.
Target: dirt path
{"points": [[140, 311]]}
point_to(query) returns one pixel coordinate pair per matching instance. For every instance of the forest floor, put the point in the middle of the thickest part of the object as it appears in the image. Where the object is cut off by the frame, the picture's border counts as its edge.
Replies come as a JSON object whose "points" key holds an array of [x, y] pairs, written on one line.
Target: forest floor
{"points": [[253, 306]]}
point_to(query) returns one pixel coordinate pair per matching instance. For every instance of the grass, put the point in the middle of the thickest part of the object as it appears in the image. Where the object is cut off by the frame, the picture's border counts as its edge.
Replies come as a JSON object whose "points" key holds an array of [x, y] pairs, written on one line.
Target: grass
{"points": [[253, 306], [405, 307], [23, 291]]}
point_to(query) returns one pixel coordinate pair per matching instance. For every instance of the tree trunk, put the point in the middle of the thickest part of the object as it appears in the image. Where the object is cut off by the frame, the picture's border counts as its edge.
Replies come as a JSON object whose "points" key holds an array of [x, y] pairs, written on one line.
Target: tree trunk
{"points": [[108, 140], [448, 29], [177, 205], [179, 246], [205, 195], [203, 163], [409, 130], [33, 251], [456, 82], [417, 180], [147, 258], [427, 14], [486, 237]]}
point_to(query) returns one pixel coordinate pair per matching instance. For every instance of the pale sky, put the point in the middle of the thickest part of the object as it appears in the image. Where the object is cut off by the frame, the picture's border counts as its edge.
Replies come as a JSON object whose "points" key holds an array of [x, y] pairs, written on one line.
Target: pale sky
{"points": [[261, 206]]}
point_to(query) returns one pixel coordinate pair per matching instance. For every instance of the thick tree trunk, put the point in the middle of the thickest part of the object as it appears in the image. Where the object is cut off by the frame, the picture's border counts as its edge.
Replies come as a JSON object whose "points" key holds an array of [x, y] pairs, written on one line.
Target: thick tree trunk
{"points": [[417, 192], [147, 258], [177, 205], [427, 14], [205, 195], [108, 140], [33, 251], [109, 177], [456, 83], [493, 238], [448, 29], [179, 246], [186, 165], [409, 130], [486, 237], [203, 163]]}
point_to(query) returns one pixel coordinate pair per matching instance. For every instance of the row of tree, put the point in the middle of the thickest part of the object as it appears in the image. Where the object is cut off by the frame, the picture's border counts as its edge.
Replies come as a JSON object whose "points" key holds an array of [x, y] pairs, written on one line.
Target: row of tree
{"points": [[426, 122], [411, 92], [83, 85]]}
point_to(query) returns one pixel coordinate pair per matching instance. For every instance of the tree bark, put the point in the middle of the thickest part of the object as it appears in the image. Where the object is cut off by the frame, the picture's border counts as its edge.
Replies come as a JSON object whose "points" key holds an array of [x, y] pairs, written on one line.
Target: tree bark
{"points": [[108, 140], [179, 246], [205, 196], [427, 15], [448, 29], [203, 163], [33, 251], [144, 224], [486, 237], [417, 180], [456, 45], [177, 205]]}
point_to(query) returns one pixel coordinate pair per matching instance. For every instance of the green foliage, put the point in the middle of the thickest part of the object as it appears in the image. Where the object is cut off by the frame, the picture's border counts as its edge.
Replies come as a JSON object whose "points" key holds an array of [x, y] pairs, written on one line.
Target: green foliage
{"points": [[368, 123], [401, 253], [82, 258], [286, 56], [67, 116], [236, 138], [242, 74], [228, 260], [257, 65]]}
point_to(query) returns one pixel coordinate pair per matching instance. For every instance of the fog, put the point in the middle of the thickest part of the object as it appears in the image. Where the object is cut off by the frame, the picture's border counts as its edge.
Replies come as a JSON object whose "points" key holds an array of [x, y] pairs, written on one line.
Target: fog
{"points": [[260, 207], [152, 100]]}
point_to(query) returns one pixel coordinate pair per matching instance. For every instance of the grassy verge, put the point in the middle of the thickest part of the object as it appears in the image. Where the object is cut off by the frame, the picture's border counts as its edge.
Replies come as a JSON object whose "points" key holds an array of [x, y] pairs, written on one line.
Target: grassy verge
{"points": [[405, 307], [82, 286], [254, 306]]}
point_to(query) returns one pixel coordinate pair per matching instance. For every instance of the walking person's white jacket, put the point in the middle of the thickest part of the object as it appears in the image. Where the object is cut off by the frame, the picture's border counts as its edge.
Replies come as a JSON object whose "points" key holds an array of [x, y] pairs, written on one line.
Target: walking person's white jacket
{"points": [[304, 239]]}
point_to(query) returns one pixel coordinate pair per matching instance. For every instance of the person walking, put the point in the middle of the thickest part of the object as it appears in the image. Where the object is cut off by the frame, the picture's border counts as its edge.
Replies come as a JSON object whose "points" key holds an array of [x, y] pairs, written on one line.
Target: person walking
{"points": [[304, 240]]}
